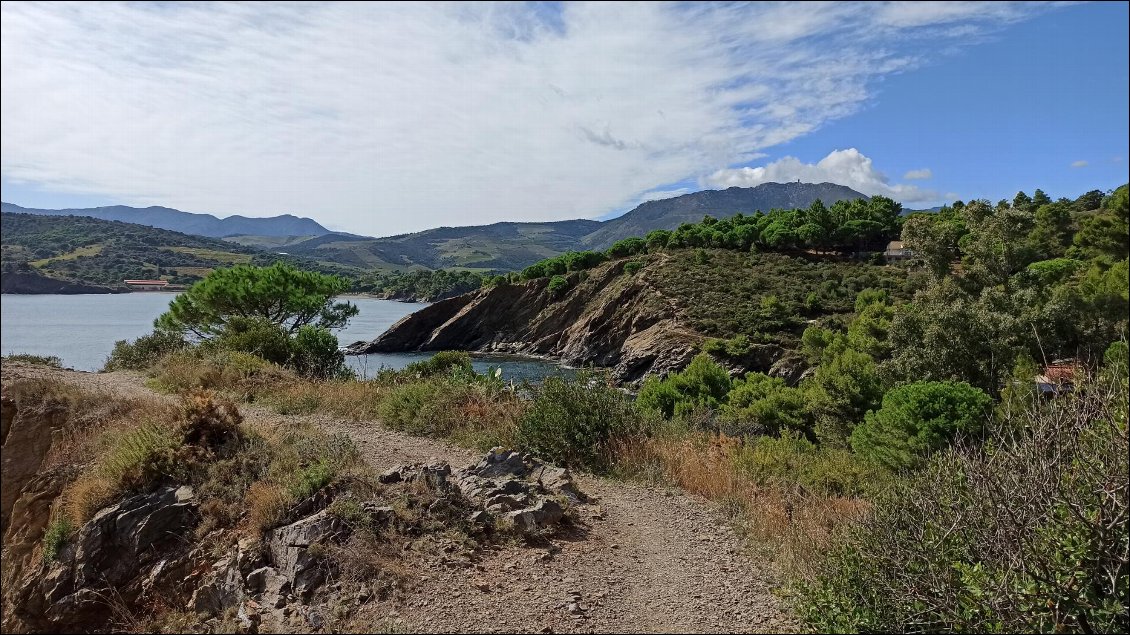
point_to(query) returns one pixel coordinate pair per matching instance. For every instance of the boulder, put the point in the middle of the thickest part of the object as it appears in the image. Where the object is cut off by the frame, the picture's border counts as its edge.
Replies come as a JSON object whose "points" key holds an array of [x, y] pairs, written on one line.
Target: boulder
{"points": [[289, 548]]}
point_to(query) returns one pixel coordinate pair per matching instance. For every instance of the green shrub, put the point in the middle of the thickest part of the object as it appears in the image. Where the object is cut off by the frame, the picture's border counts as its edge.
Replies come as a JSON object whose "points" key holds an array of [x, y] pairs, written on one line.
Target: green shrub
{"points": [[57, 535], [702, 384], [557, 286], [315, 354], [42, 360], [310, 479], [442, 363], [792, 459], [578, 421], [760, 404], [145, 351], [917, 419], [1025, 533], [257, 336], [632, 267]]}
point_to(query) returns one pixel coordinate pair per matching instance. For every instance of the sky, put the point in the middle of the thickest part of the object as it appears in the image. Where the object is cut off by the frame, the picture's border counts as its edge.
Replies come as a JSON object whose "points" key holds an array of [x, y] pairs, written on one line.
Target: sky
{"points": [[387, 118]]}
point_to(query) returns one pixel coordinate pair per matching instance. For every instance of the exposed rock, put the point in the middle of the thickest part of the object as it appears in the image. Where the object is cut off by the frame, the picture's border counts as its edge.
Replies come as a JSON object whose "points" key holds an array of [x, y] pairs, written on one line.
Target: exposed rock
{"points": [[290, 550], [790, 367], [125, 550], [605, 318], [27, 436]]}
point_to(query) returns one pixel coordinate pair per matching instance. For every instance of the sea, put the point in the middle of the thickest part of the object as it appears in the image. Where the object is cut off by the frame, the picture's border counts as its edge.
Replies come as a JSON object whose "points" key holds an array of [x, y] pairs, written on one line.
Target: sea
{"points": [[81, 331]]}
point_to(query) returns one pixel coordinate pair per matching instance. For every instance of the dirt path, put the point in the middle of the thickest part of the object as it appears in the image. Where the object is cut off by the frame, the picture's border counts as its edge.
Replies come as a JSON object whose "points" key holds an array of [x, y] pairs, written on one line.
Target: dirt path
{"points": [[642, 558]]}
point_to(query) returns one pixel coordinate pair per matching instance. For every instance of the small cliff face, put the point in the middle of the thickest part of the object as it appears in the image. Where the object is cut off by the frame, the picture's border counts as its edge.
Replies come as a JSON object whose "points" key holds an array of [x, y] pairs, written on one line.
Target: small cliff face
{"points": [[606, 317]]}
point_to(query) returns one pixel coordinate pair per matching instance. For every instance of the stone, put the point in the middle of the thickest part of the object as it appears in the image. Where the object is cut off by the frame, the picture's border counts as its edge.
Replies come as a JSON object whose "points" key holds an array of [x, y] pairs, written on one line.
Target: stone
{"points": [[289, 548], [392, 475], [545, 513], [257, 579]]}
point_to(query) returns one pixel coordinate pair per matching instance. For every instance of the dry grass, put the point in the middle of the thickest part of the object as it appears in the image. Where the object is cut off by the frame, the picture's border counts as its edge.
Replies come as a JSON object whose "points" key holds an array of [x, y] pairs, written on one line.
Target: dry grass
{"points": [[791, 526], [267, 505]]}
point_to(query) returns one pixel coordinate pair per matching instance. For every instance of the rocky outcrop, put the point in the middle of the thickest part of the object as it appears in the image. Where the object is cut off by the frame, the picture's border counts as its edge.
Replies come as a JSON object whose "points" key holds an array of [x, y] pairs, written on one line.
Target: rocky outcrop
{"points": [[605, 318], [517, 489], [27, 434], [128, 551]]}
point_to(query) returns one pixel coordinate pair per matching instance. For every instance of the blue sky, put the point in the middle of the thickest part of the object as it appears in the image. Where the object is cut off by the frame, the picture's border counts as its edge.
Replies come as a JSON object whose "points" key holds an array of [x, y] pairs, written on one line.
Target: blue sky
{"points": [[381, 119]]}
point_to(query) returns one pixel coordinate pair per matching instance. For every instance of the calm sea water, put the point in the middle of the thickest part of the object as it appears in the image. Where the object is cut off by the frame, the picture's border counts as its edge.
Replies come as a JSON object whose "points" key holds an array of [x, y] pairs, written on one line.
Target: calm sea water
{"points": [[81, 330]]}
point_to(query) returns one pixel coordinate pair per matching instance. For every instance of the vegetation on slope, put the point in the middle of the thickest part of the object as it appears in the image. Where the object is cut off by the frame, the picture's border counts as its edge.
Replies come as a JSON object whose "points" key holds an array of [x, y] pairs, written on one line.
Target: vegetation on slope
{"points": [[107, 252]]}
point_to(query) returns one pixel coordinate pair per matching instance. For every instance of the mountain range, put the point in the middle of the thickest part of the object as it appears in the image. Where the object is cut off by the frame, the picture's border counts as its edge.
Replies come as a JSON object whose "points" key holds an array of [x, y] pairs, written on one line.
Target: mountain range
{"points": [[208, 225], [502, 246]]}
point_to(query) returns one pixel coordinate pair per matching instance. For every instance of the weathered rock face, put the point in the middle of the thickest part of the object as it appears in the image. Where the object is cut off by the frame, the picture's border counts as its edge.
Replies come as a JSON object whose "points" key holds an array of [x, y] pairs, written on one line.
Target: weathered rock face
{"points": [[27, 435], [607, 318], [128, 551]]}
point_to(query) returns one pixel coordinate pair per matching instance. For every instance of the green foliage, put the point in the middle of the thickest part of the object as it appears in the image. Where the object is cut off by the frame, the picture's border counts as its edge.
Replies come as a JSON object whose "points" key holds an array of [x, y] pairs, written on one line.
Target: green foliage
{"points": [[919, 419], [257, 336], [457, 363], [577, 422], [764, 405], [59, 531], [42, 360], [791, 458], [843, 388], [104, 252], [565, 263], [315, 354], [1027, 533], [702, 384], [280, 294], [627, 247], [632, 267], [310, 479], [145, 351], [558, 285], [428, 286]]}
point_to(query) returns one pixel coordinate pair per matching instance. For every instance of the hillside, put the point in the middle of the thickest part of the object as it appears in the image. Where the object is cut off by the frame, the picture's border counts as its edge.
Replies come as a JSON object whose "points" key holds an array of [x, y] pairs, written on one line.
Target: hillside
{"points": [[89, 251], [669, 213], [283, 226], [501, 246], [513, 246], [651, 317]]}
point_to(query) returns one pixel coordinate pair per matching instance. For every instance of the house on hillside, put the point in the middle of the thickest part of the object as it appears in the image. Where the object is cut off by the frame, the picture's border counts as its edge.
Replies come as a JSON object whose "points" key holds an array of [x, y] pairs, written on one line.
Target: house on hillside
{"points": [[1057, 378], [147, 285], [896, 251]]}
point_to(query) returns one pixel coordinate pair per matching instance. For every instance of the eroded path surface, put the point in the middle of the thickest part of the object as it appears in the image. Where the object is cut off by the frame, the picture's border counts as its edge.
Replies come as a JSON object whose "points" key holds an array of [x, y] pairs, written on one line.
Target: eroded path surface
{"points": [[641, 559]]}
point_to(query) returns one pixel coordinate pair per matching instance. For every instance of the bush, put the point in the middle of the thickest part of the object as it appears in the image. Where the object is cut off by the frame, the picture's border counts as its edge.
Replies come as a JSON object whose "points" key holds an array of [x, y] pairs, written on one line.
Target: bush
{"points": [[442, 363], [258, 336], [1028, 533], [315, 354], [633, 267], [576, 422], [702, 384], [145, 351], [57, 535], [917, 419], [557, 286], [792, 459], [760, 404], [42, 360]]}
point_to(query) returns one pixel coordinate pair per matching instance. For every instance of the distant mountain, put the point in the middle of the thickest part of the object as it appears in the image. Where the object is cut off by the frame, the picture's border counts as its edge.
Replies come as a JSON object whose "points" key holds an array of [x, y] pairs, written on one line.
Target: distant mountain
{"points": [[286, 225], [669, 213], [497, 247], [47, 253], [511, 246]]}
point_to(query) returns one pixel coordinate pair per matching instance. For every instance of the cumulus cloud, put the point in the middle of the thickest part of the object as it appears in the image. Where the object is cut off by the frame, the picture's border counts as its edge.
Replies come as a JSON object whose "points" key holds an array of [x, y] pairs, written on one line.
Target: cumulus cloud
{"points": [[386, 118], [845, 167], [1078, 164], [918, 175]]}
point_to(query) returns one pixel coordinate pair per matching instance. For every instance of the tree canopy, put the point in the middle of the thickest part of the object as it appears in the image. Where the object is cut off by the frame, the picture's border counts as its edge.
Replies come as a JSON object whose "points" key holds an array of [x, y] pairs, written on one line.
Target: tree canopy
{"points": [[280, 294]]}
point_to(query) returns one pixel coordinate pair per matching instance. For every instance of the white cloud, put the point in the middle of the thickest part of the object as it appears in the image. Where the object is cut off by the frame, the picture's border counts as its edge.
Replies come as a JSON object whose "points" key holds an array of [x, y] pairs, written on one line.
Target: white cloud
{"points": [[657, 195], [386, 118], [1078, 164], [845, 167], [918, 175]]}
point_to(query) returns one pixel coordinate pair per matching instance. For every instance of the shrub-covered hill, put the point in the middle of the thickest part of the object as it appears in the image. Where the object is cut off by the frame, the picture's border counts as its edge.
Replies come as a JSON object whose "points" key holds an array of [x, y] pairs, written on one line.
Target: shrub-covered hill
{"points": [[650, 313], [100, 252]]}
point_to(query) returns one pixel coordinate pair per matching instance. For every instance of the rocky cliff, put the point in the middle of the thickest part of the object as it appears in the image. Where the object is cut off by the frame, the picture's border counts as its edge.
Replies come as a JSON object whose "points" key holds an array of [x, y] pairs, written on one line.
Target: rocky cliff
{"points": [[606, 317]]}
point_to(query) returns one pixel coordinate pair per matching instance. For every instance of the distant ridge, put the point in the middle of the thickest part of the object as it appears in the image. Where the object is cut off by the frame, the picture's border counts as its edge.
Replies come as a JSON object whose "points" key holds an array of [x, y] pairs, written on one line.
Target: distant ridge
{"points": [[512, 246], [188, 223], [669, 213]]}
